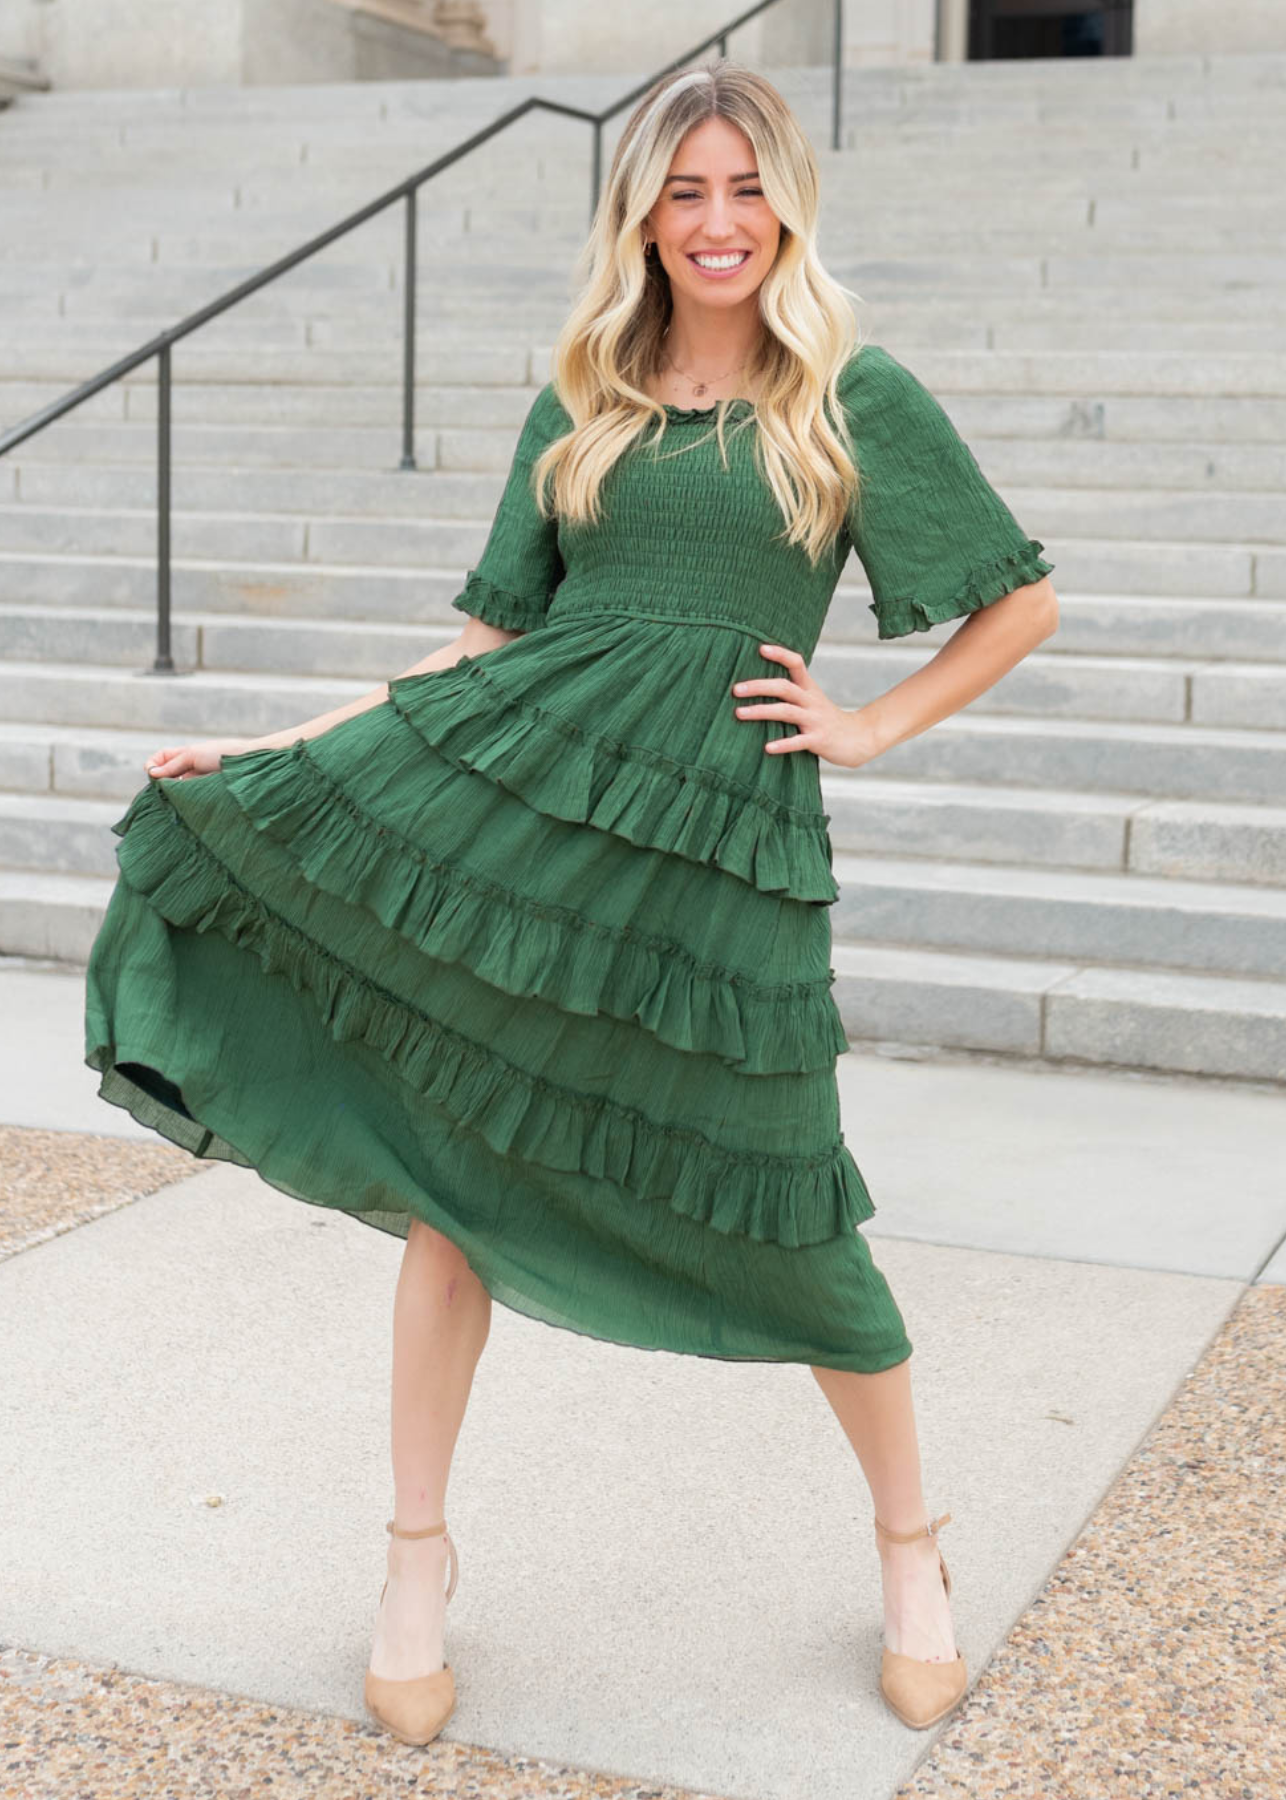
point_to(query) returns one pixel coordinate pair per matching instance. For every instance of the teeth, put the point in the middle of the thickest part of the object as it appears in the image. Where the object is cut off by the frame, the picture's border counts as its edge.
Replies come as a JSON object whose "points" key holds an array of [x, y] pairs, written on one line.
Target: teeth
{"points": [[722, 262]]}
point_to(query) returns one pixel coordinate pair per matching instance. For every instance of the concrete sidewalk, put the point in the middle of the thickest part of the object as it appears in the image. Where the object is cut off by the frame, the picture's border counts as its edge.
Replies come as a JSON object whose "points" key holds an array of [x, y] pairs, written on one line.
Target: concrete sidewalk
{"points": [[699, 1607]]}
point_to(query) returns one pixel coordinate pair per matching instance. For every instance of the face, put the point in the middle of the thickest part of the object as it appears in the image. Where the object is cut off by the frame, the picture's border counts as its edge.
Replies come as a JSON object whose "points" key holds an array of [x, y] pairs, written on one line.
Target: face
{"points": [[715, 234]]}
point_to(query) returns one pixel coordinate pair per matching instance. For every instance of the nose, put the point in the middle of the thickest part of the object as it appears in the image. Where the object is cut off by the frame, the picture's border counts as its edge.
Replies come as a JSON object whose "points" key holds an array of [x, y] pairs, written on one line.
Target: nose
{"points": [[718, 219]]}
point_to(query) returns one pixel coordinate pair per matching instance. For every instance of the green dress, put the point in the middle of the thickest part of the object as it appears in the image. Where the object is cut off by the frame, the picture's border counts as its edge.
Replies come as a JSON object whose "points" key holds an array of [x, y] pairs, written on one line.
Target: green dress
{"points": [[538, 949]]}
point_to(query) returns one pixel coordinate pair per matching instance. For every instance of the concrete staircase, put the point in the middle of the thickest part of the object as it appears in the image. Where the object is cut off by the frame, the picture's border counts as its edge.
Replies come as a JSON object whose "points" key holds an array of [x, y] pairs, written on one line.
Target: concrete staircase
{"points": [[1086, 261]]}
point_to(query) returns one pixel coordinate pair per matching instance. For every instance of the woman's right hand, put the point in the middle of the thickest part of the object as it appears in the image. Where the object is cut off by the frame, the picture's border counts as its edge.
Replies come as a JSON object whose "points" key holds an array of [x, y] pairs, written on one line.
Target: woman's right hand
{"points": [[195, 759]]}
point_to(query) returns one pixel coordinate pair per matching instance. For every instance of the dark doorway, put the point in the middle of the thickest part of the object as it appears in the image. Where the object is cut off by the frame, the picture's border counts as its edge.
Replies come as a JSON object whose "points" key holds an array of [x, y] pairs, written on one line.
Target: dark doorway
{"points": [[999, 28]]}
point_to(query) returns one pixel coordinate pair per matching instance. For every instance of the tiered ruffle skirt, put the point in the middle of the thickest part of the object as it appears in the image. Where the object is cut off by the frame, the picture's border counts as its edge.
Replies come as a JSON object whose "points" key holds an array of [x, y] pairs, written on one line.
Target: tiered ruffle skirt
{"points": [[537, 951]]}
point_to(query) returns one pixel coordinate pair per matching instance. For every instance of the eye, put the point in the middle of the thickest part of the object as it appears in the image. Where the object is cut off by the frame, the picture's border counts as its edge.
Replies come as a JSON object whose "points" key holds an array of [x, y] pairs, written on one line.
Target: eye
{"points": [[689, 194]]}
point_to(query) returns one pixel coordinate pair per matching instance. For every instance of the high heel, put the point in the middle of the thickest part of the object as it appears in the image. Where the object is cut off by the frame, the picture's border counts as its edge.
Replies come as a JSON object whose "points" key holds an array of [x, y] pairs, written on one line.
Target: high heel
{"points": [[918, 1691], [415, 1710]]}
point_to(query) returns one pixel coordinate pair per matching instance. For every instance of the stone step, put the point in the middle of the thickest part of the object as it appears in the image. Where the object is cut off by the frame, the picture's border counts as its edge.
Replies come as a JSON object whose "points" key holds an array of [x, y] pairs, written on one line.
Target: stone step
{"points": [[484, 363], [1098, 464], [1166, 634], [1091, 121], [1071, 686], [1235, 72], [77, 441], [455, 363], [874, 815], [112, 427], [314, 588], [199, 703], [292, 202], [367, 536], [33, 375], [65, 353], [1034, 1009], [1116, 1017], [290, 197], [1046, 684], [468, 231], [1087, 121], [1073, 227], [1190, 761], [283, 427], [58, 835], [46, 471], [272, 181], [1093, 465], [927, 316], [1099, 918], [73, 761], [1075, 143], [56, 916], [374, 493], [1177, 515], [495, 316], [25, 289], [1173, 762], [1205, 841], [273, 178]]}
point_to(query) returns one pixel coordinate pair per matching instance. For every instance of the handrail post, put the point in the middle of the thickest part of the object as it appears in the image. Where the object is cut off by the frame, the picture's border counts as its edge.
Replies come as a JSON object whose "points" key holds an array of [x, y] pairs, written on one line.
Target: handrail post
{"points": [[408, 335], [163, 664], [837, 74]]}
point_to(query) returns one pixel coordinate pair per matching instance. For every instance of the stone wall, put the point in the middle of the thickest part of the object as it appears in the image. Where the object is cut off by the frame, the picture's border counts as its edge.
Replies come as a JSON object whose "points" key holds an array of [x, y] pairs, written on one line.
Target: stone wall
{"points": [[1177, 27], [177, 43], [569, 36], [200, 43]]}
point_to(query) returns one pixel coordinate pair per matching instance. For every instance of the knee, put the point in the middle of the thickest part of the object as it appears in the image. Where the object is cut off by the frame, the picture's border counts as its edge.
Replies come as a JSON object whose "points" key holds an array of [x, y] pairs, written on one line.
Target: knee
{"points": [[434, 1251]]}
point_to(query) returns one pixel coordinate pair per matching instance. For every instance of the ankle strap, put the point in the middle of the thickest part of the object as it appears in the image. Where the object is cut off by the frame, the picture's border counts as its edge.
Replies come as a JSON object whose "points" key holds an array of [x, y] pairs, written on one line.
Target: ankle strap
{"points": [[906, 1537], [427, 1531], [453, 1561]]}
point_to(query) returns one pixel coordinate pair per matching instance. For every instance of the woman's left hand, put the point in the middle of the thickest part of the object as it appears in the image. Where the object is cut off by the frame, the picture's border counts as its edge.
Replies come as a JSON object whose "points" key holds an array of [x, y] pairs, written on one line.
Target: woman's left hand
{"points": [[824, 728]]}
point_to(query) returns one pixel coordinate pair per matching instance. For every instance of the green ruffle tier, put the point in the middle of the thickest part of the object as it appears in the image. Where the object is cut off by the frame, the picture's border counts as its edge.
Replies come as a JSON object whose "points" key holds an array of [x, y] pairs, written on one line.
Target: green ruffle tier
{"points": [[523, 1114], [672, 798]]}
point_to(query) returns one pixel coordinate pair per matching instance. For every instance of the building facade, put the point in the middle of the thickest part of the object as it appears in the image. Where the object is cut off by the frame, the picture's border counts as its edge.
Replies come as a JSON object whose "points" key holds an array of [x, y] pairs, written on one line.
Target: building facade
{"points": [[169, 43]]}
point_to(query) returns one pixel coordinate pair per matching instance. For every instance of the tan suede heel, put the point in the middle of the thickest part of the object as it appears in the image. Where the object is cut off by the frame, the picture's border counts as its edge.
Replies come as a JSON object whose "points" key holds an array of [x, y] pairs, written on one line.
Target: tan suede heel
{"points": [[416, 1710], [918, 1691]]}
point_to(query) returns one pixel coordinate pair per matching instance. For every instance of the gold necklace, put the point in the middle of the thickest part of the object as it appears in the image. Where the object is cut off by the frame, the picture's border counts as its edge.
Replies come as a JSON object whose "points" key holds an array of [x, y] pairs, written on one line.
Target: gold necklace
{"points": [[700, 387]]}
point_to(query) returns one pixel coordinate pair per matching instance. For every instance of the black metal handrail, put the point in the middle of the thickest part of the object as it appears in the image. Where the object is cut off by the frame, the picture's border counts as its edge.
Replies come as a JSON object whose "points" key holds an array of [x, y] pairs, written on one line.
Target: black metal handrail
{"points": [[406, 191]]}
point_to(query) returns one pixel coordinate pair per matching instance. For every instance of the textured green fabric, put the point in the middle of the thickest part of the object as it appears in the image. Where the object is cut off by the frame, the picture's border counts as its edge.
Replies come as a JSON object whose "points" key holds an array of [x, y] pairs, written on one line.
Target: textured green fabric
{"points": [[538, 950]]}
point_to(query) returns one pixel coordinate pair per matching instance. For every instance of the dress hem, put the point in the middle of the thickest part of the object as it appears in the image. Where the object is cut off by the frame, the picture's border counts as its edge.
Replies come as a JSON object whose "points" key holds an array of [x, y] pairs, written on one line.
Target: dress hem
{"points": [[117, 1089]]}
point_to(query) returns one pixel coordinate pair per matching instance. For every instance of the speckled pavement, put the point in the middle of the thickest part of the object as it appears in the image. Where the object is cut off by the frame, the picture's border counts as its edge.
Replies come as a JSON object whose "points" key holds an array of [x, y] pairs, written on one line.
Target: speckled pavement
{"points": [[51, 1181], [1151, 1664], [1114, 1477]]}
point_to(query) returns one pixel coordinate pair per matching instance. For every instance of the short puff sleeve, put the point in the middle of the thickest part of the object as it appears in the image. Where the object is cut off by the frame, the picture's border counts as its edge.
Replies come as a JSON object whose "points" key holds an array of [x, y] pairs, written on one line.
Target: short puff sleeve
{"points": [[934, 537], [520, 566]]}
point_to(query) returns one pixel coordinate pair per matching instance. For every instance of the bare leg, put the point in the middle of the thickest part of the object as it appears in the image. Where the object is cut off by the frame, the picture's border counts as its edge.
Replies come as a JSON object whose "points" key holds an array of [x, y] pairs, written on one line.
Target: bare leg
{"points": [[441, 1317], [878, 1419]]}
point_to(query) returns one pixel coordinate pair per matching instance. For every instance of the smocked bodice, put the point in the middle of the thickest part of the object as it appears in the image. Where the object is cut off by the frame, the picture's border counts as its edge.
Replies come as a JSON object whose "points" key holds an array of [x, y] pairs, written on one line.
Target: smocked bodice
{"points": [[685, 537]]}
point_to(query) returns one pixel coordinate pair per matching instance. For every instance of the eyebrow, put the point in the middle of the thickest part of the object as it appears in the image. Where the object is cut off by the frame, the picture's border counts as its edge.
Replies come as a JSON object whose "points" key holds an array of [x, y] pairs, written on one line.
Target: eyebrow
{"points": [[748, 175]]}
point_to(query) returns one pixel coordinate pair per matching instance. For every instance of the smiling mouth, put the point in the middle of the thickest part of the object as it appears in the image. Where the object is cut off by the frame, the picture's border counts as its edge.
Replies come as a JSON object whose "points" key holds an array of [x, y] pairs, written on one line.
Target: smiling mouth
{"points": [[718, 262]]}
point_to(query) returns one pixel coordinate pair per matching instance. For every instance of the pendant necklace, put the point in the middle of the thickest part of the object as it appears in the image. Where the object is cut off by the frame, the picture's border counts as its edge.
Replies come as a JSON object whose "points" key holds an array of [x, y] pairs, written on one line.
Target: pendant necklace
{"points": [[701, 387]]}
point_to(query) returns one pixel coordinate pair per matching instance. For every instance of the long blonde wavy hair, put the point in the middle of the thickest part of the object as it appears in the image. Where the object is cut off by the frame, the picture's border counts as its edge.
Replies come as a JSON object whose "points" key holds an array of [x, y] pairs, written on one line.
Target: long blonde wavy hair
{"points": [[612, 339]]}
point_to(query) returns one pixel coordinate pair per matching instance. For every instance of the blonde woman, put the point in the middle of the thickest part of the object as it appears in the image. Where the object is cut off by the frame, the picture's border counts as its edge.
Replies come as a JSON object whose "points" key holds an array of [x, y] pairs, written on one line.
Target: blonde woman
{"points": [[525, 955]]}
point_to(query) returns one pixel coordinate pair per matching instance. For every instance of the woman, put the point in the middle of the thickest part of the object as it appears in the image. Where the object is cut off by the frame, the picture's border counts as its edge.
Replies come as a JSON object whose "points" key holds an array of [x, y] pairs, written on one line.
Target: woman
{"points": [[524, 955]]}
